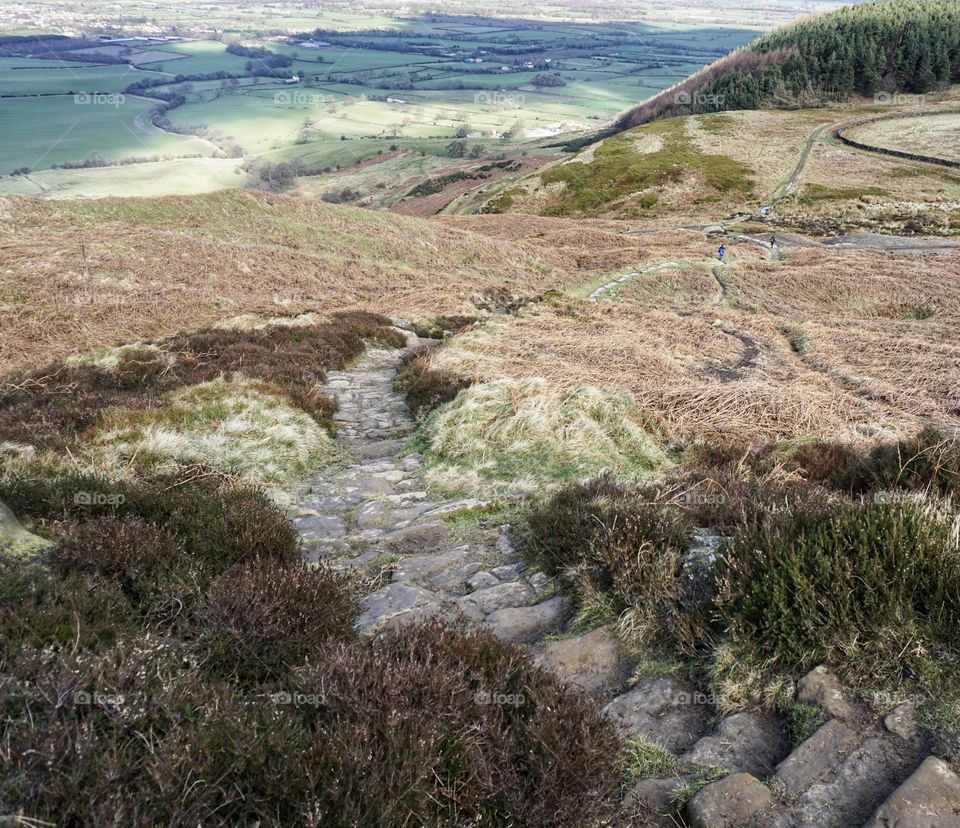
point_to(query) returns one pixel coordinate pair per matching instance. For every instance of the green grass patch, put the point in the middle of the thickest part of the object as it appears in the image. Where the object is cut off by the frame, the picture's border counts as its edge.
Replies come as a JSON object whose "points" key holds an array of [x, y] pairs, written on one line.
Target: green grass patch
{"points": [[803, 721], [814, 193], [618, 169], [645, 760], [690, 789]]}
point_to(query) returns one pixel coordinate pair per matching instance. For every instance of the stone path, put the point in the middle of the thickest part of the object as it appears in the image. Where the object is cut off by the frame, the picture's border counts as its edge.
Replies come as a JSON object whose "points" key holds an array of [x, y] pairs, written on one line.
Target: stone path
{"points": [[372, 513], [622, 279]]}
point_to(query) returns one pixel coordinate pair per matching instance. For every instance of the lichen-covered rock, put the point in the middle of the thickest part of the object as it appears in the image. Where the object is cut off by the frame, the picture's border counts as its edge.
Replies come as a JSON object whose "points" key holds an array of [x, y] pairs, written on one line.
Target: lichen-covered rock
{"points": [[594, 663], [728, 803]]}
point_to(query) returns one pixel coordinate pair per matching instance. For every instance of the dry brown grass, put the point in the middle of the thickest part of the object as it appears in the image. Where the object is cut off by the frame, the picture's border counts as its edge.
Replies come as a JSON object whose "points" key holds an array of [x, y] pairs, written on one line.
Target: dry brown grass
{"points": [[595, 245], [819, 345], [676, 364], [79, 276], [769, 142], [861, 284], [908, 365]]}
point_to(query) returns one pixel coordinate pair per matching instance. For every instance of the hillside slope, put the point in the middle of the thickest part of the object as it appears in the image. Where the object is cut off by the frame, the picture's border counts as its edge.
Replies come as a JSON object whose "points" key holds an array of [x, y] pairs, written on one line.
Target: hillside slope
{"points": [[907, 46], [83, 275]]}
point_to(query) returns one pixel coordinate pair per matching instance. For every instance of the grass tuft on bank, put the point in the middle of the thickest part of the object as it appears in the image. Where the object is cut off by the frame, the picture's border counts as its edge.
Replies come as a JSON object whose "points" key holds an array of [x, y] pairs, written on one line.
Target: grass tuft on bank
{"points": [[522, 435]]}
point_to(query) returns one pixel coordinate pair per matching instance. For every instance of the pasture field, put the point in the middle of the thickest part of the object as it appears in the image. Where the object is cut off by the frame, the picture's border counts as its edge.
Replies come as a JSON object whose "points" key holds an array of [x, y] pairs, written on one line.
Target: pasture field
{"points": [[26, 76], [355, 81], [936, 136], [57, 129], [177, 176]]}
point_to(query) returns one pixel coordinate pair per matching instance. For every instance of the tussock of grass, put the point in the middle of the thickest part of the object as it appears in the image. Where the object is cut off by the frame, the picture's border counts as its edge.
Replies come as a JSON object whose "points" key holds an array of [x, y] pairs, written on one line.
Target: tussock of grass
{"points": [[110, 359], [738, 684], [238, 426], [255, 322], [14, 539], [520, 436], [645, 760]]}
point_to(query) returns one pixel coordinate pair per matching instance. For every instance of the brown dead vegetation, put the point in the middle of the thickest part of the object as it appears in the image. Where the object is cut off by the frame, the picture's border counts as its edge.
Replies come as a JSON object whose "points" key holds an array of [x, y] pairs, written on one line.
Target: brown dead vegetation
{"points": [[80, 276], [826, 343]]}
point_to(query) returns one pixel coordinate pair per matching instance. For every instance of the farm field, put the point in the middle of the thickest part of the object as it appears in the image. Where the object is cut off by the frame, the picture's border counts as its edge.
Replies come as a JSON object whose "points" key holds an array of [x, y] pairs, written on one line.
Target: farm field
{"points": [[505, 86], [934, 135], [56, 129], [179, 176], [25, 76]]}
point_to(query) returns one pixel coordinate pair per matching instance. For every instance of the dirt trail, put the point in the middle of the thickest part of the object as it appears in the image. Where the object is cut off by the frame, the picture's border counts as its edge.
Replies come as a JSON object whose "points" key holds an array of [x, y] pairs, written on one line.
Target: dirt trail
{"points": [[790, 184], [624, 278]]}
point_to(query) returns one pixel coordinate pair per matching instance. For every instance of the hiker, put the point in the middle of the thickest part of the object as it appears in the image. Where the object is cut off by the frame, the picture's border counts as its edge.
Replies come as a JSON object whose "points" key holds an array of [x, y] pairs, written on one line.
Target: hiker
{"points": [[773, 242], [721, 252]]}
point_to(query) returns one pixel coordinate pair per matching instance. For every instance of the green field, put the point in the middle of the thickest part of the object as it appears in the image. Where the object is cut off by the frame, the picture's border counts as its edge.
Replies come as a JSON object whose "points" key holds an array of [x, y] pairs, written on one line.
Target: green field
{"points": [[52, 130], [359, 83], [182, 176], [26, 76]]}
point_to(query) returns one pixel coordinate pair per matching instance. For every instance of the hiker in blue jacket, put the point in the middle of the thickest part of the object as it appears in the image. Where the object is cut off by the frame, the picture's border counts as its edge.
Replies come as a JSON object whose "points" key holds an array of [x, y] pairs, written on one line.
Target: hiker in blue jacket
{"points": [[721, 252]]}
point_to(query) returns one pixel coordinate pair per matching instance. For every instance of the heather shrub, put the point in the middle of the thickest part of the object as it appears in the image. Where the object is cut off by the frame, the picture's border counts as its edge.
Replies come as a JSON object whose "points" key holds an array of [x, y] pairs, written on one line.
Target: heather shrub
{"points": [[217, 524], [424, 387], [259, 620], [861, 584], [928, 461], [41, 609], [722, 485], [438, 726], [440, 327], [602, 539], [392, 732], [134, 736], [146, 563]]}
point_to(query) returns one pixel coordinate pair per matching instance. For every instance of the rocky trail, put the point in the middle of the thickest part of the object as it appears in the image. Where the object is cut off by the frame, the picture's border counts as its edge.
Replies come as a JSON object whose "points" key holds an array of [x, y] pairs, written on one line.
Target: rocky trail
{"points": [[373, 514]]}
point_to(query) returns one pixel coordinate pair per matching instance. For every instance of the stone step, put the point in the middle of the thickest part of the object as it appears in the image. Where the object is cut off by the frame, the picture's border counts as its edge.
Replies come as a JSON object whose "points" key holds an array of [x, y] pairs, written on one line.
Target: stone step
{"points": [[849, 793], [664, 710], [525, 625], [816, 757], [929, 798], [749, 742]]}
